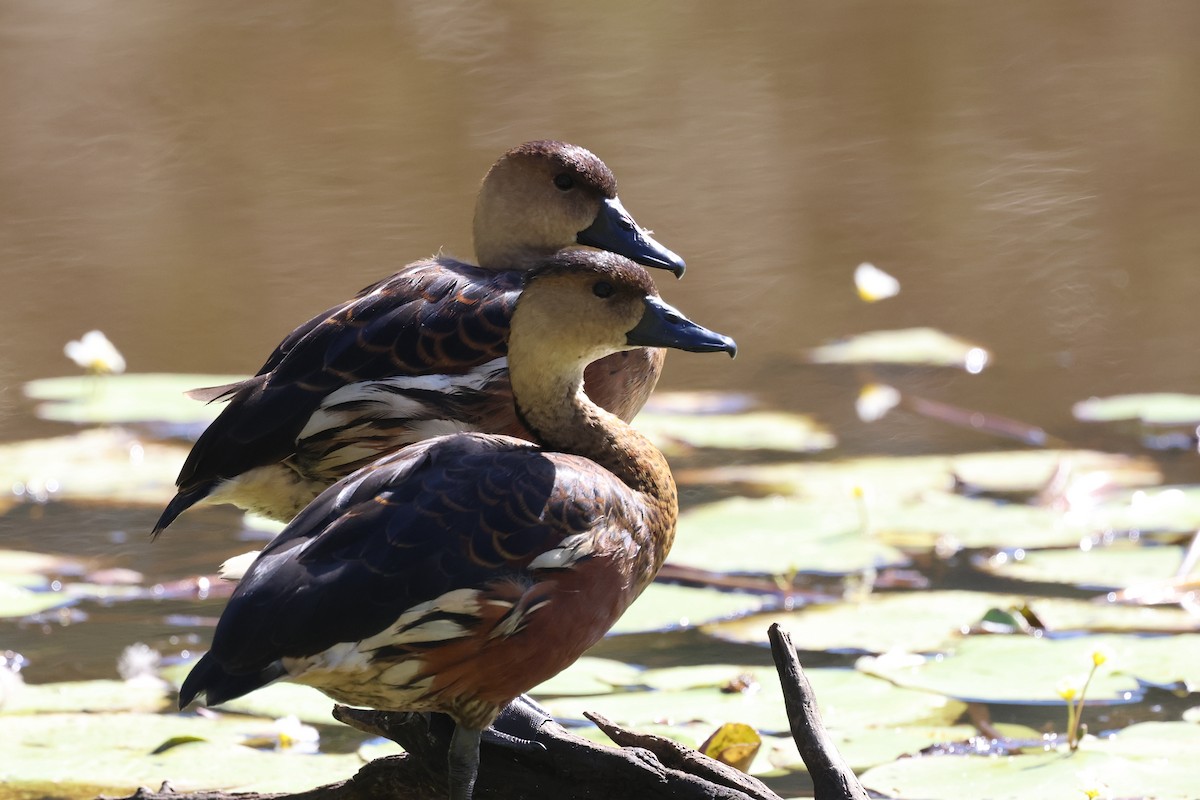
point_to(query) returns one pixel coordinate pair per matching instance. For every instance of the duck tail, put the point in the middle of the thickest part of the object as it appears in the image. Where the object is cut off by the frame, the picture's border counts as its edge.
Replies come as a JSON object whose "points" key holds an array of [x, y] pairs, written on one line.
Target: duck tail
{"points": [[210, 679], [181, 502]]}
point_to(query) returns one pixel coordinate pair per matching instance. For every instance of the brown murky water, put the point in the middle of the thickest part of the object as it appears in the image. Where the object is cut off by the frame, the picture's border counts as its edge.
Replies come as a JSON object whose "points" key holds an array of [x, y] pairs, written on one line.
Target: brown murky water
{"points": [[195, 178]]}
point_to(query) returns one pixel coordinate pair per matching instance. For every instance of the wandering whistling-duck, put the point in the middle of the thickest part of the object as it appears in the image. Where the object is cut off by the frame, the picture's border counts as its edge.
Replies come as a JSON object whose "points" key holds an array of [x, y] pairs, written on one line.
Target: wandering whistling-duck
{"points": [[459, 572], [421, 353]]}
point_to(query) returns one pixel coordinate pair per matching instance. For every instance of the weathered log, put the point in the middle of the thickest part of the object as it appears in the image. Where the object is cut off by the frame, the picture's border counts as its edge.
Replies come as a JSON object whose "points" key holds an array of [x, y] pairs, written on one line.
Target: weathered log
{"points": [[550, 761]]}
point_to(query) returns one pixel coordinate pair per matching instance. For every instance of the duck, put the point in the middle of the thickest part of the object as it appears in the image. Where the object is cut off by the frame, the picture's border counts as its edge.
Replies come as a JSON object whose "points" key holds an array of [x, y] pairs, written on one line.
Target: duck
{"points": [[457, 573], [420, 353]]}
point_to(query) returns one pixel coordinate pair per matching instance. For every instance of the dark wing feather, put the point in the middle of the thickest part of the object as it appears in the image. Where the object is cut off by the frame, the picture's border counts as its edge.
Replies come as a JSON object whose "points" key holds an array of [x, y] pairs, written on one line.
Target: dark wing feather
{"points": [[437, 316], [456, 512]]}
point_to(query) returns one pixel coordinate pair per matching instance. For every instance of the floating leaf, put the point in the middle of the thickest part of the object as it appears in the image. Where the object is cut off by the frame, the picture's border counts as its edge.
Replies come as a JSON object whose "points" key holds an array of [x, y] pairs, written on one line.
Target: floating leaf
{"points": [[925, 346], [848, 700], [779, 535], [734, 744], [18, 601], [589, 676], [285, 699], [868, 747], [1152, 759], [1031, 471], [993, 471], [1098, 569], [761, 430], [103, 465], [665, 606], [114, 754], [148, 397], [935, 621], [1027, 670], [913, 621], [1162, 408], [91, 696]]}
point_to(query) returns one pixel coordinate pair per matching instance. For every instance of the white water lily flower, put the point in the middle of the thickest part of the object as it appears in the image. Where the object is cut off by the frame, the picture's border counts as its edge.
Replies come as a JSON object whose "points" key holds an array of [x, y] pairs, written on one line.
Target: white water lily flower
{"points": [[292, 734], [95, 353], [875, 401], [874, 284]]}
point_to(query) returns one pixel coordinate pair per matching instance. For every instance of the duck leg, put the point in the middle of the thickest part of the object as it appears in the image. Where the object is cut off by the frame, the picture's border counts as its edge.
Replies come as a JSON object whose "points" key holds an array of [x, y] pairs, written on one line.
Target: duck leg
{"points": [[464, 761]]}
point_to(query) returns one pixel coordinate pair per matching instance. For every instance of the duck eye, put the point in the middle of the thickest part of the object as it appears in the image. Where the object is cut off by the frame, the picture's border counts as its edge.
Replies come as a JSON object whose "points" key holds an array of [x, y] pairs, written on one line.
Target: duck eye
{"points": [[564, 181], [602, 289]]}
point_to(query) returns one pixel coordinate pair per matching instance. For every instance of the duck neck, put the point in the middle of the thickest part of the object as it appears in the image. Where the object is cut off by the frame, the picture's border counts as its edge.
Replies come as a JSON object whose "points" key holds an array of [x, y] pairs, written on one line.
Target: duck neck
{"points": [[554, 408]]}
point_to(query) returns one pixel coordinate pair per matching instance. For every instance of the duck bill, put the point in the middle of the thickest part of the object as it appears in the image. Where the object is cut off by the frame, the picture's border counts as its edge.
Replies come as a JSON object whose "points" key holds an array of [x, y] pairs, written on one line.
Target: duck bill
{"points": [[663, 326], [614, 230]]}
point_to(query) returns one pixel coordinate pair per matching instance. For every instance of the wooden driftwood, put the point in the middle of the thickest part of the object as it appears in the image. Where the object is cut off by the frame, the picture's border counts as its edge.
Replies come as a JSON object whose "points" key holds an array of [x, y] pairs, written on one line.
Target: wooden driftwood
{"points": [[552, 762]]}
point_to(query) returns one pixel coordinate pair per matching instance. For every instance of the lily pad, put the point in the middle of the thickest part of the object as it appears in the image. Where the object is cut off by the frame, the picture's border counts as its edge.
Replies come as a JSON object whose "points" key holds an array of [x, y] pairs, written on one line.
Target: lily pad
{"points": [[78, 696], [665, 606], [1029, 671], [1146, 760], [762, 430], [1162, 509], [848, 700], [589, 676], [951, 522], [869, 747], [882, 478], [285, 699], [19, 601], [913, 621], [1162, 408], [928, 622], [777, 536], [924, 346], [109, 399], [101, 465], [1099, 568], [114, 755]]}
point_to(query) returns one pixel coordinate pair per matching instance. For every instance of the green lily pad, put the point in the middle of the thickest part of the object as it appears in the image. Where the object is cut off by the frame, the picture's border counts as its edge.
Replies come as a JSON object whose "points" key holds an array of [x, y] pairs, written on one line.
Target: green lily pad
{"points": [[1098, 569], [110, 399], [951, 522], [924, 346], [870, 747], [913, 621], [589, 676], [762, 430], [1162, 408], [102, 465], [848, 700], [779, 535], [1030, 471], [665, 606], [1162, 509], [285, 699], [928, 622], [1060, 614], [882, 478], [1030, 671], [77, 696], [113, 754], [1152, 759], [19, 601]]}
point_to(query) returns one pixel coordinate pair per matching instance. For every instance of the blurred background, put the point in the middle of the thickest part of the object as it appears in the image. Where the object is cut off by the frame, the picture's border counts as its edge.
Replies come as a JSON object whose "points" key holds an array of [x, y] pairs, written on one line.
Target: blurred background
{"points": [[196, 178]]}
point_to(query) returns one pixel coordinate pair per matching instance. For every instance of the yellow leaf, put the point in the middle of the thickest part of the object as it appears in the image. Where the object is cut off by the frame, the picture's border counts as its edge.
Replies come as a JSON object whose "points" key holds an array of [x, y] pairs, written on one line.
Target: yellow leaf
{"points": [[734, 744]]}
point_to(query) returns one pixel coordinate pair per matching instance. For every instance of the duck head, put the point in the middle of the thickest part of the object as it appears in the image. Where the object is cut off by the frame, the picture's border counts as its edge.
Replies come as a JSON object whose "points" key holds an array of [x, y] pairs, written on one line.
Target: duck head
{"points": [[543, 196], [581, 305]]}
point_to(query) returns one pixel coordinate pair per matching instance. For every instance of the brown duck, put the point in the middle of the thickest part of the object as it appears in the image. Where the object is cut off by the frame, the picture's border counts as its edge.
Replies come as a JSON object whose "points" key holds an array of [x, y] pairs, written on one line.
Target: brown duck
{"points": [[421, 353], [459, 572]]}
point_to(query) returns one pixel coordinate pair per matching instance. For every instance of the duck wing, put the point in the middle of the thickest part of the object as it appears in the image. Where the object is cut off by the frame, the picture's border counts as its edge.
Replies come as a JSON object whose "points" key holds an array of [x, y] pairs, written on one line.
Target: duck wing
{"points": [[406, 550], [434, 317]]}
